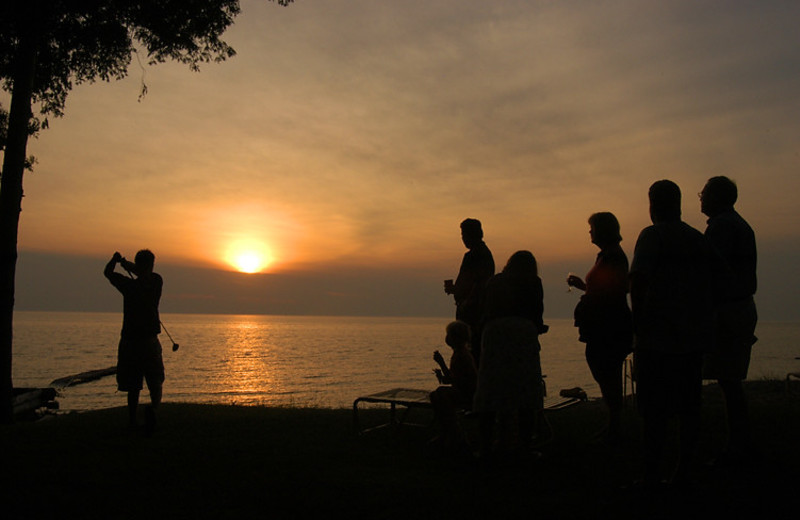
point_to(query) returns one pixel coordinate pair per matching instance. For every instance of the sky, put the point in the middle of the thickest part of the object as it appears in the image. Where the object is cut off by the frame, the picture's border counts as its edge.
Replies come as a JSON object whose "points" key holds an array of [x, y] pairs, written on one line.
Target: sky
{"points": [[345, 142]]}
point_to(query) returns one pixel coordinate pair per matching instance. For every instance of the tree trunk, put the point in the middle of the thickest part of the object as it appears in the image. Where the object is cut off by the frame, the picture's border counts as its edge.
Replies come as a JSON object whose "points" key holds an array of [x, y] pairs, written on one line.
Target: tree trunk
{"points": [[10, 207]]}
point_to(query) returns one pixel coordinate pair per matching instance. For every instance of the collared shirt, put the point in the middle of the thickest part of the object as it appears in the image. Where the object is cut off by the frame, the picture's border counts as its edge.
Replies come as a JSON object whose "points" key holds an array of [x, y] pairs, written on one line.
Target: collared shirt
{"points": [[734, 240]]}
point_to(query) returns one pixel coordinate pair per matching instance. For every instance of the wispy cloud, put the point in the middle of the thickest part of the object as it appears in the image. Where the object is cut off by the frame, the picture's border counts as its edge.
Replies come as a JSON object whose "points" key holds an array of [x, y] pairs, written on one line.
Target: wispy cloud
{"points": [[364, 132]]}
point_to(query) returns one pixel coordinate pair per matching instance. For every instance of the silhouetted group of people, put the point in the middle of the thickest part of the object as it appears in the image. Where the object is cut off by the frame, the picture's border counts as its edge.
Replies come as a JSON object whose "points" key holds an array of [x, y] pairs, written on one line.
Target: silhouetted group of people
{"points": [[691, 317], [503, 314]]}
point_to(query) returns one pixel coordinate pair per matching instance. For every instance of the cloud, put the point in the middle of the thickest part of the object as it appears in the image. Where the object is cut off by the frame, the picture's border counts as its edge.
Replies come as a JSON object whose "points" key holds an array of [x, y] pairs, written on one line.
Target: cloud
{"points": [[360, 135]]}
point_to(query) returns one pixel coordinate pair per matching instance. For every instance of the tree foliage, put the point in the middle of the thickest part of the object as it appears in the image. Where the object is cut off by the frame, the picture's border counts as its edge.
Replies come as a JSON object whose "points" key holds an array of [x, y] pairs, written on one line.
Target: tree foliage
{"points": [[87, 40]]}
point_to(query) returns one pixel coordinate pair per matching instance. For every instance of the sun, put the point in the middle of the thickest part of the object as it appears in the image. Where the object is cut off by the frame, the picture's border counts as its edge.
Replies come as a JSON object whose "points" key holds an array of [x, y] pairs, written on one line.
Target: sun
{"points": [[248, 256], [248, 262]]}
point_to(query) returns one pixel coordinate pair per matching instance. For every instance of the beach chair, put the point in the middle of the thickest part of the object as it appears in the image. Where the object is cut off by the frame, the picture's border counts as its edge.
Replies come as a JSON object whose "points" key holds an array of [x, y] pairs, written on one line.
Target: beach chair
{"points": [[405, 398], [402, 401]]}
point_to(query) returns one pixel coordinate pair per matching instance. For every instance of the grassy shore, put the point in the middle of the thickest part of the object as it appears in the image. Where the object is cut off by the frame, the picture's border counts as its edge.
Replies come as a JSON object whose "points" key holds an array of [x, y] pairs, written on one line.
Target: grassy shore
{"points": [[211, 461]]}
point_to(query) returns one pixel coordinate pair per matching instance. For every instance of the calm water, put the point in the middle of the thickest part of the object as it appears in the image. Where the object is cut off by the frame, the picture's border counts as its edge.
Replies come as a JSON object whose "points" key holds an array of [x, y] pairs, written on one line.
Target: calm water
{"points": [[296, 360]]}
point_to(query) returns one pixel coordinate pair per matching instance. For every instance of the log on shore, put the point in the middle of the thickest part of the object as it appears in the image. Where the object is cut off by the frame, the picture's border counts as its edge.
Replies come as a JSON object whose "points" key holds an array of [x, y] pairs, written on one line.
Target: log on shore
{"points": [[83, 377]]}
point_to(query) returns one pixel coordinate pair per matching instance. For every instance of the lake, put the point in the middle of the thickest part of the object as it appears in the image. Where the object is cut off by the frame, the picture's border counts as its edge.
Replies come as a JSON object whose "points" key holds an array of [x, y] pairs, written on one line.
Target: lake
{"points": [[297, 360]]}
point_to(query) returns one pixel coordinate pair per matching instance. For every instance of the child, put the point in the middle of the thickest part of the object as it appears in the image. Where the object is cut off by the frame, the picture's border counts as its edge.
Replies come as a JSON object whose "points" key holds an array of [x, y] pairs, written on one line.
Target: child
{"points": [[458, 383]]}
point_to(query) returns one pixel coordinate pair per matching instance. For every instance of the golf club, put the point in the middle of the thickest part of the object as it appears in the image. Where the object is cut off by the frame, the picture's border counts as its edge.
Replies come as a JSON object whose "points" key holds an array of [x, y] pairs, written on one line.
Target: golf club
{"points": [[175, 346]]}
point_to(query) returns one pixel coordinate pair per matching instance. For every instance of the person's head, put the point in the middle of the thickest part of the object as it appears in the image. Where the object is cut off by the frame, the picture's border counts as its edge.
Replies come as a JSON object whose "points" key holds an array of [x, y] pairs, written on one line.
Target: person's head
{"points": [[665, 201], [144, 260], [604, 229], [521, 263], [718, 195], [458, 334], [471, 232]]}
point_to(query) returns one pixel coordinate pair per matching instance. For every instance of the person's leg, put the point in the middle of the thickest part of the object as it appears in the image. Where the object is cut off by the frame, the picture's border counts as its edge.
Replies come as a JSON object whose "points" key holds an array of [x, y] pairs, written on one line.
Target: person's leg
{"points": [[608, 374], [507, 430], [133, 404], [544, 431], [527, 425], [689, 368], [611, 388], [738, 421], [150, 411], [729, 366], [444, 408], [653, 404], [155, 395], [486, 426], [129, 377], [655, 425], [689, 435], [154, 376]]}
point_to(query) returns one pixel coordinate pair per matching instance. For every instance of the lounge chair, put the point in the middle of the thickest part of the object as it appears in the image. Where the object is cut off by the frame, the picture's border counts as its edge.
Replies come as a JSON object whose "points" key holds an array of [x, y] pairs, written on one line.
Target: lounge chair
{"points": [[410, 398]]}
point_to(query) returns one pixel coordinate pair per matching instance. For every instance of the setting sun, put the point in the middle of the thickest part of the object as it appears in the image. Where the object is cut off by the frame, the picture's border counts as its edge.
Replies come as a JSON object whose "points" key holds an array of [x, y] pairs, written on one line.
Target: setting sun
{"points": [[248, 257]]}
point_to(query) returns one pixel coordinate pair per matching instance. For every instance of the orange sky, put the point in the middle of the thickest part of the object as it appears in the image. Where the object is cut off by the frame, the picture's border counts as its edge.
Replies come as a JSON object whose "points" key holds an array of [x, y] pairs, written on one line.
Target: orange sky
{"points": [[358, 135]]}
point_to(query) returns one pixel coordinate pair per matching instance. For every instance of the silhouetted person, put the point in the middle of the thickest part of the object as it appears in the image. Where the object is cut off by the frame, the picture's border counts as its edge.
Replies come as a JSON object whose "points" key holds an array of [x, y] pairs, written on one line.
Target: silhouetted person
{"points": [[510, 372], [728, 361], [603, 317], [671, 294], [470, 285], [461, 377], [139, 354]]}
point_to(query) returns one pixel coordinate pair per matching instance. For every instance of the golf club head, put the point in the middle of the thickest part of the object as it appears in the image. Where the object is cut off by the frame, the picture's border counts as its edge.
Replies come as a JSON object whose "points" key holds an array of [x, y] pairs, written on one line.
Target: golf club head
{"points": [[175, 347]]}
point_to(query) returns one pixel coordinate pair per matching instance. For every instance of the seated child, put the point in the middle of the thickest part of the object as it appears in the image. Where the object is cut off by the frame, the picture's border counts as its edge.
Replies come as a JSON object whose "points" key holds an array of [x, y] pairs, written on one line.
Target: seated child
{"points": [[460, 378]]}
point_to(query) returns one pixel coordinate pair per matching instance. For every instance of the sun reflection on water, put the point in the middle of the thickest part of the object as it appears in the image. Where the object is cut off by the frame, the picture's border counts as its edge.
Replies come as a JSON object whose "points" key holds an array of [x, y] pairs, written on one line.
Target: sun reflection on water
{"points": [[251, 369]]}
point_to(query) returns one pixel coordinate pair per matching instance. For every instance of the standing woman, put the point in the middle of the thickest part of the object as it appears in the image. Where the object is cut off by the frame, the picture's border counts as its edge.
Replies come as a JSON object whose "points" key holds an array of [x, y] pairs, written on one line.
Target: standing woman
{"points": [[603, 316], [510, 372]]}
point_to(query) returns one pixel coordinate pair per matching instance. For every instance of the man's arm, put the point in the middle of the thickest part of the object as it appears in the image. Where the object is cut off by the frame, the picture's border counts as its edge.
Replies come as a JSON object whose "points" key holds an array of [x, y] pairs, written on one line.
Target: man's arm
{"points": [[108, 272], [638, 291], [465, 279], [645, 253]]}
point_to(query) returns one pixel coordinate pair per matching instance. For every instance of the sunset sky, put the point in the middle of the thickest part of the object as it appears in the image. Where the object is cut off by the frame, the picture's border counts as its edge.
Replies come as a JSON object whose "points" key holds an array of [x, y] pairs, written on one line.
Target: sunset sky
{"points": [[346, 141]]}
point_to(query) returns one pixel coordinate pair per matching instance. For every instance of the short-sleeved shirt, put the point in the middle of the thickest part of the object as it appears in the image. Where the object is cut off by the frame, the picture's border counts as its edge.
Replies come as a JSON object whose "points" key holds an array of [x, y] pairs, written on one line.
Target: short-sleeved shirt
{"points": [[678, 270], [603, 315], [141, 297], [734, 240]]}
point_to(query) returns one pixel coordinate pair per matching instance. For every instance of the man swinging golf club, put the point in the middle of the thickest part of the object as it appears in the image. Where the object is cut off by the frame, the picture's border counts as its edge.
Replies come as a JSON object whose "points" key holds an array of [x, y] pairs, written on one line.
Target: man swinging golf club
{"points": [[139, 354]]}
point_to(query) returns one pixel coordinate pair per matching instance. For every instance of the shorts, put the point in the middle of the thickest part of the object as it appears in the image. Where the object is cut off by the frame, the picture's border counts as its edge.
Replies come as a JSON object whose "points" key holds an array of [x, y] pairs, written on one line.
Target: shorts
{"points": [[668, 383], [137, 360], [729, 358]]}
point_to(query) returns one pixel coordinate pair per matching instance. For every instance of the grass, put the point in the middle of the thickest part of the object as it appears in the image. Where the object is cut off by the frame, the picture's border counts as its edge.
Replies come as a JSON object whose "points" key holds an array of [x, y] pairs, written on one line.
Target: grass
{"points": [[212, 461]]}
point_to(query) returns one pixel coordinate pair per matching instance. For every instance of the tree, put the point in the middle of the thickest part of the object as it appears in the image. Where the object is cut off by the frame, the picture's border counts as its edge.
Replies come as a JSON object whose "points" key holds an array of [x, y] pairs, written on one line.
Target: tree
{"points": [[46, 46]]}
